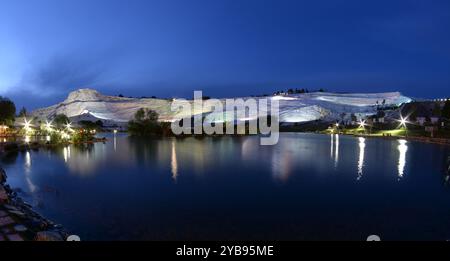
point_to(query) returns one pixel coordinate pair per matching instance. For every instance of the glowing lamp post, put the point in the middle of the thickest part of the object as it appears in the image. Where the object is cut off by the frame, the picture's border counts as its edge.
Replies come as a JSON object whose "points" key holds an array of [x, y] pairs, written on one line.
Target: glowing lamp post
{"points": [[69, 127], [27, 128], [403, 121], [337, 127], [362, 124], [26, 125], [48, 126]]}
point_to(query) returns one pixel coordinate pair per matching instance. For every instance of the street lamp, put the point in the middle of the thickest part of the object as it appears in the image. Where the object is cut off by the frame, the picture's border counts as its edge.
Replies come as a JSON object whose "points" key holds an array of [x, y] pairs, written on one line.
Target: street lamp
{"points": [[362, 124], [69, 126], [26, 125], [48, 125], [403, 121], [337, 127]]}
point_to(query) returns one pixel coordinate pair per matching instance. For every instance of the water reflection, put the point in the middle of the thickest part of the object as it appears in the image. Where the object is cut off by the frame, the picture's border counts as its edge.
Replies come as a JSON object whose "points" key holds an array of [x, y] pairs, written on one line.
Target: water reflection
{"points": [[282, 163], [27, 165], [336, 154], [402, 148], [335, 145], [202, 155], [66, 153], [332, 145], [291, 179], [86, 159], [27, 162], [115, 141], [447, 171], [362, 147], [173, 162]]}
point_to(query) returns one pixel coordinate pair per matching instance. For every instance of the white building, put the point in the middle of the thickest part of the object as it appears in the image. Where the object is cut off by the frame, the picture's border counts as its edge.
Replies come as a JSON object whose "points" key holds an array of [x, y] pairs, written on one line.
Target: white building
{"points": [[421, 120], [434, 120]]}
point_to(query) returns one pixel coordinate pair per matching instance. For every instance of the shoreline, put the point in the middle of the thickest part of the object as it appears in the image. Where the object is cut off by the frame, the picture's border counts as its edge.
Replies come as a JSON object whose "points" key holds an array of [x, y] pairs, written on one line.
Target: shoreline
{"points": [[422, 139], [427, 140], [14, 146], [19, 222]]}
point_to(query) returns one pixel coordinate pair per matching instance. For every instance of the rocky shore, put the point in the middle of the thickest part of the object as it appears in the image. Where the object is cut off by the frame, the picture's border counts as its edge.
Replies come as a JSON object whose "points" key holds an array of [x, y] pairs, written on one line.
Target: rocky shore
{"points": [[18, 222]]}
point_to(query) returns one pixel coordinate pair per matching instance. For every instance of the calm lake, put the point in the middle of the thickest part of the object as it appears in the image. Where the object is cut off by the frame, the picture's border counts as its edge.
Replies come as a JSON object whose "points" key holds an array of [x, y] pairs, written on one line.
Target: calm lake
{"points": [[307, 187]]}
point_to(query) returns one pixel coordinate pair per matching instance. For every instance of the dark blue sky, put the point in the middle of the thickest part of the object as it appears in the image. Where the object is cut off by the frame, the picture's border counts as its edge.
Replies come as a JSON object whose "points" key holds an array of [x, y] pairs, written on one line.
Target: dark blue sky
{"points": [[225, 48]]}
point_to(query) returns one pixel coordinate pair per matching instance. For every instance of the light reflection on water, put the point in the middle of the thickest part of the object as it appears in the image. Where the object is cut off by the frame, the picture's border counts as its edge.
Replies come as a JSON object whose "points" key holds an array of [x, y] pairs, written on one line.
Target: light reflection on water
{"points": [[174, 163], [134, 180], [402, 148], [27, 168], [115, 142], [336, 153], [201, 155], [66, 153], [362, 147], [335, 149], [332, 145]]}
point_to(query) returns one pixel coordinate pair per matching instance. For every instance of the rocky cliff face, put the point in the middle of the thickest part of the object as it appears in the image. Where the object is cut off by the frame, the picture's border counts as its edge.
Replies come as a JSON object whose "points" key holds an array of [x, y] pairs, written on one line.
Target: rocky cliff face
{"points": [[90, 104], [84, 95]]}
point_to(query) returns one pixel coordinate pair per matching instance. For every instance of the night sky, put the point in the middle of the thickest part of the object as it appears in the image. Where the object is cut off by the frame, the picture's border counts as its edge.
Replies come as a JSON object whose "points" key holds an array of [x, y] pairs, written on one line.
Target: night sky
{"points": [[168, 48]]}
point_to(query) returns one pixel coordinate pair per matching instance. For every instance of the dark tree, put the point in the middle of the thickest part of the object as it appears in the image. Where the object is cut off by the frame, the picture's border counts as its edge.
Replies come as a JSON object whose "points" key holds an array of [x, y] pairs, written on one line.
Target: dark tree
{"points": [[61, 120], [446, 110], [7, 111], [99, 123], [381, 114], [436, 112], [88, 125], [146, 123], [139, 115], [412, 111], [23, 112]]}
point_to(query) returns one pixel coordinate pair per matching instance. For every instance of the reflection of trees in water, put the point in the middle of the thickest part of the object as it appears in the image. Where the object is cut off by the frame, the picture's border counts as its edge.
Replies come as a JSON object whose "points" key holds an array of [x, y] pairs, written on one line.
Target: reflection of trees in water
{"points": [[9, 158], [195, 153], [79, 158], [145, 149], [84, 147], [446, 171]]}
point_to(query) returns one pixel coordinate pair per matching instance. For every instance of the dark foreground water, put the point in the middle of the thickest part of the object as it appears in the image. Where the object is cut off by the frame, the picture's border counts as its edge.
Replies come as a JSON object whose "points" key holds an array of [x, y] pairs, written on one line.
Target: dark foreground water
{"points": [[312, 187]]}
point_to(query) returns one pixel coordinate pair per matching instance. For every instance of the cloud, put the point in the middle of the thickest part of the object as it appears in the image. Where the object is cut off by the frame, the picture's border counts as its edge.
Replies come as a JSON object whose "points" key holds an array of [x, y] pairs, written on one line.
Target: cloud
{"points": [[55, 75], [62, 73]]}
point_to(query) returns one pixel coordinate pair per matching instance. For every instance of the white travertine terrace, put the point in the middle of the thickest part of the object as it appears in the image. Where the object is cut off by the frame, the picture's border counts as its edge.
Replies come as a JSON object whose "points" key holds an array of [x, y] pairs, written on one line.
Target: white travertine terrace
{"points": [[88, 103]]}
